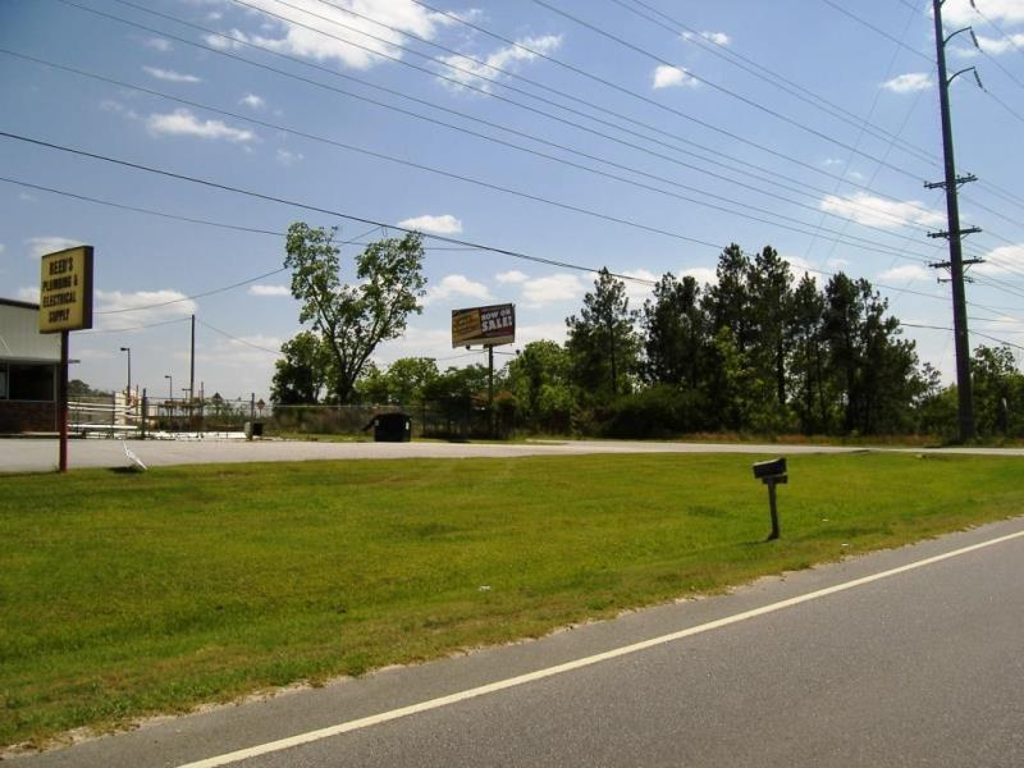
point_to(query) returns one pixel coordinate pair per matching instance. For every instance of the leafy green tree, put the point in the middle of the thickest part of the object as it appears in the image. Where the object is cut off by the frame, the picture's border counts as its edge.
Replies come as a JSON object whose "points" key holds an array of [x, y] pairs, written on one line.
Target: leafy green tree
{"points": [[808, 368], [352, 320], [603, 345], [728, 303], [302, 375], [998, 391], [408, 378], [771, 303], [674, 333], [876, 370], [539, 378]]}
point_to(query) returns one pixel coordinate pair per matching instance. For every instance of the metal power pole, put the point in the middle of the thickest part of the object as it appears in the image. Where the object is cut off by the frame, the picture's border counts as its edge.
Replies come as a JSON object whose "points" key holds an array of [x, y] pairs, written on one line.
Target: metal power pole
{"points": [[951, 184]]}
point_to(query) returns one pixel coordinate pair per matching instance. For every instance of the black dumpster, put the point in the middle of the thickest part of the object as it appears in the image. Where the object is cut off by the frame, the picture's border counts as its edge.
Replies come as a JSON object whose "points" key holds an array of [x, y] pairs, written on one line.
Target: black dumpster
{"points": [[391, 428]]}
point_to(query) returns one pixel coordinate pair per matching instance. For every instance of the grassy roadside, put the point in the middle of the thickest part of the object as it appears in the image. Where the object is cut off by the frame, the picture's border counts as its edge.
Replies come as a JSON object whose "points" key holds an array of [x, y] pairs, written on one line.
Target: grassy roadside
{"points": [[124, 595]]}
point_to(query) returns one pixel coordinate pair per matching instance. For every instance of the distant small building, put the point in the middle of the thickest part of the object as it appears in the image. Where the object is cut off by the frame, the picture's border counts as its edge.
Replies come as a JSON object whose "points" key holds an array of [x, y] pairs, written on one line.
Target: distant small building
{"points": [[29, 367]]}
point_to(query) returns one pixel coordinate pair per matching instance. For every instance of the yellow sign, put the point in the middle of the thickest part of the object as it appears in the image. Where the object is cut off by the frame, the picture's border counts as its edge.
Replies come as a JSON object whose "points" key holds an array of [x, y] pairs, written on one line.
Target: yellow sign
{"points": [[486, 326], [65, 290]]}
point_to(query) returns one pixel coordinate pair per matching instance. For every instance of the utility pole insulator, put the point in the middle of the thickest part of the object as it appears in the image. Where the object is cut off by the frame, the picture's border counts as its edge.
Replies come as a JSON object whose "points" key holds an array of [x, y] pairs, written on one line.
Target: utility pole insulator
{"points": [[960, 181], [960, 233]]}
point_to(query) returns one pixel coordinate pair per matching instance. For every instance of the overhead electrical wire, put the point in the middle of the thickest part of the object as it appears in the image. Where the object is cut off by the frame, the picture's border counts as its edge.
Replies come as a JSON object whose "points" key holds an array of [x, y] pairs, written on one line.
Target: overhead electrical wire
{"points": [[614, 177], [766, 74], [756, 70], [244, 42], [727, 91], [329, 212], [987, 185], [584, 73]]}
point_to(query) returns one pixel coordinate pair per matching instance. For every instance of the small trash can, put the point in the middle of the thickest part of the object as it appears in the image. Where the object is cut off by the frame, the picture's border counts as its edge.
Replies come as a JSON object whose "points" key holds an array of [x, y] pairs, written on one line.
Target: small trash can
{"points": [[392, 428], [257, 429]]}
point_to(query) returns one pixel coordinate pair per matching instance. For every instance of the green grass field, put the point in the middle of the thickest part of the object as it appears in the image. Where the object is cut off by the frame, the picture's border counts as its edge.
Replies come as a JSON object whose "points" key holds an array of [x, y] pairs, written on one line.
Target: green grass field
{"points": [[123, 595]]}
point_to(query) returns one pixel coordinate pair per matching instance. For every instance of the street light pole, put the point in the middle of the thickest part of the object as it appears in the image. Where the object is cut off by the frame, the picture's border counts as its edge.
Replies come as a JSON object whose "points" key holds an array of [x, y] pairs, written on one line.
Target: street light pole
{"points": [[128, 393], [170, 387]]}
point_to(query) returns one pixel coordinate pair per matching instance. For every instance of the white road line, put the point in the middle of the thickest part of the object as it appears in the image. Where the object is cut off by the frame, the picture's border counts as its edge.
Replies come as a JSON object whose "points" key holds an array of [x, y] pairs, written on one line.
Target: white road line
{"points": [[541, 674]]}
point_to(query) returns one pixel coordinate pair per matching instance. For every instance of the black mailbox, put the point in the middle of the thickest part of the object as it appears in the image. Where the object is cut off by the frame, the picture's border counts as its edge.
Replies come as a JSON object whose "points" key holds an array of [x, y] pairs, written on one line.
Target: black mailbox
{"points": [[773, 468]]}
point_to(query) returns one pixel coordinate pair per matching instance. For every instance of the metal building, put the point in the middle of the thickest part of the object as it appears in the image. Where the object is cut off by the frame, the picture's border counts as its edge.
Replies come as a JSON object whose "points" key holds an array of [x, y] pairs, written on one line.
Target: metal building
{"points": [[29, 367]]}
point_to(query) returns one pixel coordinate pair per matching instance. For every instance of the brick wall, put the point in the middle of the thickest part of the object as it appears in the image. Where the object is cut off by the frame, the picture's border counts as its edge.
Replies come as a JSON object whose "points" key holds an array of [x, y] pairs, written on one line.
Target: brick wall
{"points": [[24, 416]]}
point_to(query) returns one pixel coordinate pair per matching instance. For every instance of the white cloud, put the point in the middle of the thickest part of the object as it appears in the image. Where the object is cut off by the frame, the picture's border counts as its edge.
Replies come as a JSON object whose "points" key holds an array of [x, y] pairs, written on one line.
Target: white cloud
{"points": [[907, 273], [512, 276], [253, 101], [478, 73], [998, 45], [456, 285], [287, 158], [672, 77], [38, 246], [958, 13], [705, 276], [159, 44], [30, 293], [222, 43], [287, 36], [525, 334], [559, 287], [865, 208], [109, 105], [798, 267], [171, 76], [829, 162], [172, 305], [911, 82], [182, 122], [438, 225], [269, 290], [636, 291], [718, 38], [1006, 258]]}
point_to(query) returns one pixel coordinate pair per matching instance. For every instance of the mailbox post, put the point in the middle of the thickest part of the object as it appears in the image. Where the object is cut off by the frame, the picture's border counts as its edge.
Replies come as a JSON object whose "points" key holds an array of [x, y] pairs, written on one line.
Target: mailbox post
{"points": [[772, 473]]}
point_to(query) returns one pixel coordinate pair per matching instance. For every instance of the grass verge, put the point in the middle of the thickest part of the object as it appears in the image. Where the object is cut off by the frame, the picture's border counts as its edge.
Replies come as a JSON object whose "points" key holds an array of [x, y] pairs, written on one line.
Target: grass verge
{"points": [[124, 595]]}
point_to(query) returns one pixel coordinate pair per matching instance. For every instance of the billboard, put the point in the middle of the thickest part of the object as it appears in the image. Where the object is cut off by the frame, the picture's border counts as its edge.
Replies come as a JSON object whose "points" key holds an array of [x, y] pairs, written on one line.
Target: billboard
{"points": [[65, 290], [487, 326]]}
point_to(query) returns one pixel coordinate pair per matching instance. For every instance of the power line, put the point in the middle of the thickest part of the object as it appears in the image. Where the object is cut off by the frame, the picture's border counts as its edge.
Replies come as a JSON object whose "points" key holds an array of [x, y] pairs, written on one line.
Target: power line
{"points": [[215, 329], [878, 30], [761, 72], [998, 28], [204, 294], [515, 192], [614, 177], [241, 41], [329, 212], [722, 89], [989, 186], [350, 217], [187, 219], [136, 327], [976, 333]]}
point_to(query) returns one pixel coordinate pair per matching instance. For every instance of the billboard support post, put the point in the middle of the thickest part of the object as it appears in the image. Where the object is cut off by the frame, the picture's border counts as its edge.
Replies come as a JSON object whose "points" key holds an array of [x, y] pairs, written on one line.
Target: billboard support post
{"points": [[490, 390]]}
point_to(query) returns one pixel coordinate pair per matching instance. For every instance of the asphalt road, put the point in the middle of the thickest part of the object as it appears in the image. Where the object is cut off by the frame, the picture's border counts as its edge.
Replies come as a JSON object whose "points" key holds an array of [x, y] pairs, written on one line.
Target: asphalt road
{"points": [[893, 659], [39, 455]]}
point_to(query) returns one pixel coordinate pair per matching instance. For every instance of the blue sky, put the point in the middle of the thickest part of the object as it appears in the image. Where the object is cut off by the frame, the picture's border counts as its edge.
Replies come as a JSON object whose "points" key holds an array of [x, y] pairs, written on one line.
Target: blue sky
{"points": [[686, 110]]}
